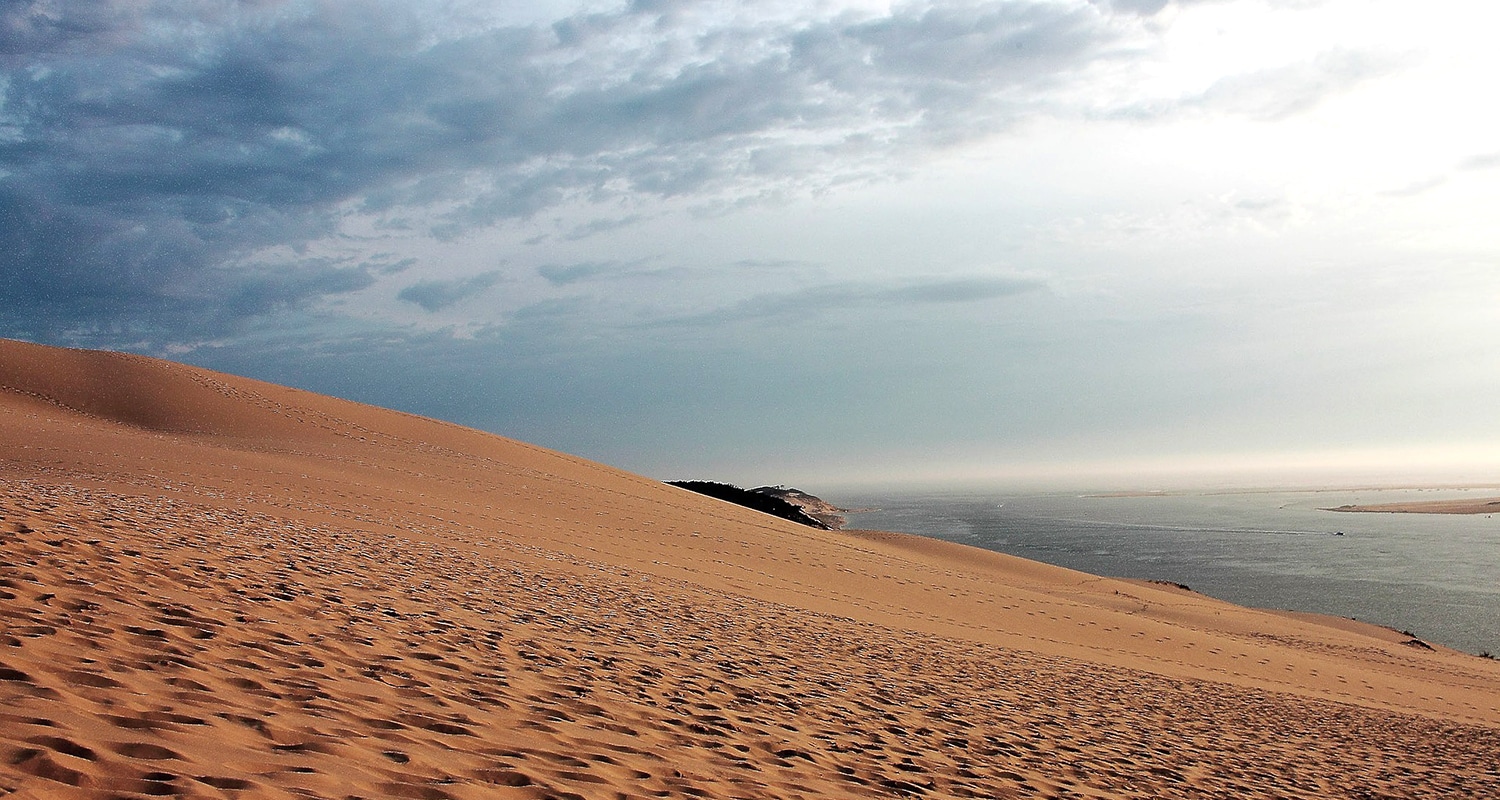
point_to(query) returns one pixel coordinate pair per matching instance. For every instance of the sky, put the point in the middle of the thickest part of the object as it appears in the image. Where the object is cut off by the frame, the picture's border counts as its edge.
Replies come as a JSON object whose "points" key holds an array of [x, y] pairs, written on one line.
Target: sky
{"points": [[828, 243]]}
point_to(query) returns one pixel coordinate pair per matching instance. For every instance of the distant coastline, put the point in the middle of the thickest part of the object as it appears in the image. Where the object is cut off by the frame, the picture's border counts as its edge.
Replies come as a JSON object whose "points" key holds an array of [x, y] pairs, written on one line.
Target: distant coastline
{"points": [[1483, 505], [1465, 505]]}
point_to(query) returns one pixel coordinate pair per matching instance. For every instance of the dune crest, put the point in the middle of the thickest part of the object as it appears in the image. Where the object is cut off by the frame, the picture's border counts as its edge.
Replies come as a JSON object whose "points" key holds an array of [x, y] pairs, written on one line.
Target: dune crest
{"points": [[216, 587]]}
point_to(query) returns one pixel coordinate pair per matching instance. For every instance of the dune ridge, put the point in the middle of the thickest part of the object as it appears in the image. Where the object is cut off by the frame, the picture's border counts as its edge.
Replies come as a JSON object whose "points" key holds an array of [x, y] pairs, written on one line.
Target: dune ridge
{"points": [[246, 590]]}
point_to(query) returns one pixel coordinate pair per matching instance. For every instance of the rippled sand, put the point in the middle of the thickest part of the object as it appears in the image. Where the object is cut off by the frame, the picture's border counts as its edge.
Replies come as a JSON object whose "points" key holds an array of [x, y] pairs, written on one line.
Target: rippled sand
{"points": [[216, 587]]}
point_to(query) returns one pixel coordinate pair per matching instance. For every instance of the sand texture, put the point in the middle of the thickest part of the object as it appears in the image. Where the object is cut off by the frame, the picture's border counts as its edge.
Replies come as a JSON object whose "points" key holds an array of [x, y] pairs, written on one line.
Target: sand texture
{"points": [[214, 587]]}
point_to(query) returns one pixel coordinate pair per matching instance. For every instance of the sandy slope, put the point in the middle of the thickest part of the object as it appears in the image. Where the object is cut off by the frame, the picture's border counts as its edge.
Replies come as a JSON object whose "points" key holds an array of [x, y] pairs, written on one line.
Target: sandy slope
{"points": [[217, 587]]}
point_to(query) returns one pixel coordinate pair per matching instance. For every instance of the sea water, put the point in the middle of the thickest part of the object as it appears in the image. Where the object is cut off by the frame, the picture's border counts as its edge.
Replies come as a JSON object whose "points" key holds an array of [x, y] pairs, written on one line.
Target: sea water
{"points": [[1434, 575]]}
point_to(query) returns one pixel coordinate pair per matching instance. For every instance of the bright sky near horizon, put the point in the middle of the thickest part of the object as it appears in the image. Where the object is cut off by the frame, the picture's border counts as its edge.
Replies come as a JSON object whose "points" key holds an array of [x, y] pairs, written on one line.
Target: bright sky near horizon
{"points": [[1098, 242]]}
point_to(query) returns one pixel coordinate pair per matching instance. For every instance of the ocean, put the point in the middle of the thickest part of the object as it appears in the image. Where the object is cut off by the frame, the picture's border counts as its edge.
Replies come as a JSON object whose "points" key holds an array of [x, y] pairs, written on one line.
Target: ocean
{"points": [[1434, 575]]}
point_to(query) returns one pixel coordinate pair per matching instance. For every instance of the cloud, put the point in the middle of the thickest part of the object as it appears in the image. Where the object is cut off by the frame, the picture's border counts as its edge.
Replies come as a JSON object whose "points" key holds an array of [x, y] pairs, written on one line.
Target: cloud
{"points": [[1147, 8], [1292, 89], [160, 143], [435, 296], [1417, 187], [819, 300], [592, 271], [386, 264], [1143, 7], [31, 27], [564, 274], [963, 290], [600, 226], [1482, 161], [1278, 92], [1474, 163]]}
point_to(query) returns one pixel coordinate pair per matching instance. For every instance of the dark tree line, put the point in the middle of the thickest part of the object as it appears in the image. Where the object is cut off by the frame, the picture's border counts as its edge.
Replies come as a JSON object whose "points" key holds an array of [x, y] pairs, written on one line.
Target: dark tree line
{"points": [[763, 503]]}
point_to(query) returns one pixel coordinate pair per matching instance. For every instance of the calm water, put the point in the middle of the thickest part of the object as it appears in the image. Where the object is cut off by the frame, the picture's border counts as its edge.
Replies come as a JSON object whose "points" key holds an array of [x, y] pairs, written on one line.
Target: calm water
{"points": [[1435, 575]]}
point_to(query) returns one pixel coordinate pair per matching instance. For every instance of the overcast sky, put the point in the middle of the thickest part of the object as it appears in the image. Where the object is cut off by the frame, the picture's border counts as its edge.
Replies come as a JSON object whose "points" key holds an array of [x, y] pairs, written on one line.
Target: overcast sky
{"points": [[1112, 242]]}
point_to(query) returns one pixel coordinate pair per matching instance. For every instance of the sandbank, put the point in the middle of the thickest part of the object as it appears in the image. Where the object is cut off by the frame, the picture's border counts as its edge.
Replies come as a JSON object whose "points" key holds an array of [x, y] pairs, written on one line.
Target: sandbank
{"points": [[1486, 505]]}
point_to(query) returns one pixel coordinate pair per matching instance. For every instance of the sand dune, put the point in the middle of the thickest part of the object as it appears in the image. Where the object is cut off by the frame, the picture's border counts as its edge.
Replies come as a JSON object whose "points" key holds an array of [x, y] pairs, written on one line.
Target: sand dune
{"points": [[216, 587]]}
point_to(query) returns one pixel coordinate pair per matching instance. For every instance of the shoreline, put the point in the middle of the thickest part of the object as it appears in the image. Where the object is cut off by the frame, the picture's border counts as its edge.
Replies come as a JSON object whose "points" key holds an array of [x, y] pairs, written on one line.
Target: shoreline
{"points": [[1443, 606], [1484, 505]]}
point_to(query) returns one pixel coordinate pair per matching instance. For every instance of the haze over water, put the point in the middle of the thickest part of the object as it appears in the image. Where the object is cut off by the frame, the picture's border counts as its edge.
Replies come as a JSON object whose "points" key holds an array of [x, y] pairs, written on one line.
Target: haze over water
{"points": [[1435, 575]]}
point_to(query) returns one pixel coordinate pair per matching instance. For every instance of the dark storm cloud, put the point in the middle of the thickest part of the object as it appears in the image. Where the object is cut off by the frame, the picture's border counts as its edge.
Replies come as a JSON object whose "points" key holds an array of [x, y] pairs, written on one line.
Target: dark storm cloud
{"points": [[151, 152]]}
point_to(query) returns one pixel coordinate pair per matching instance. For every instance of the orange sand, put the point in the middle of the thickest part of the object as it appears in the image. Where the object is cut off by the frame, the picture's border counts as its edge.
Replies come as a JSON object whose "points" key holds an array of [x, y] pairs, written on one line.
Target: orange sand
{"points": [[211, 586]]}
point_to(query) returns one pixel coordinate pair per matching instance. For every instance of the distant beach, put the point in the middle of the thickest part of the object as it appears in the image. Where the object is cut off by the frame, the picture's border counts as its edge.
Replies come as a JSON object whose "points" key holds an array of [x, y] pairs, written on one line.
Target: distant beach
{"points": [[1488, 505]]}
